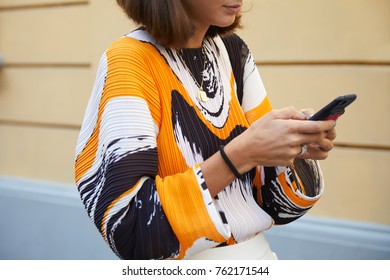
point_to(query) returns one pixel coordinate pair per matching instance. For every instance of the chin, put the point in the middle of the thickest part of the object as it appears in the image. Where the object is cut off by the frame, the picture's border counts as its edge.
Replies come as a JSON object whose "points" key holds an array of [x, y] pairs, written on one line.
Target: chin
{"points": [[227, 22]]}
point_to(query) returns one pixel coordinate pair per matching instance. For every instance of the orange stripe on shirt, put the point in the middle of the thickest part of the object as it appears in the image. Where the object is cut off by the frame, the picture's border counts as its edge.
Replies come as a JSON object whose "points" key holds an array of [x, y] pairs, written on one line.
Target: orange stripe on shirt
{"points": [[289, 192], [193, 221], [120, 81], [259, 111]]}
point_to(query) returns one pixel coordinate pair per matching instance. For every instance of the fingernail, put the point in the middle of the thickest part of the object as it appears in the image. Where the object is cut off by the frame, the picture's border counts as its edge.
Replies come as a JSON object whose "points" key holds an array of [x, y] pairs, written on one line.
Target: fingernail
{"points": [[334, 123], [303, 115]]}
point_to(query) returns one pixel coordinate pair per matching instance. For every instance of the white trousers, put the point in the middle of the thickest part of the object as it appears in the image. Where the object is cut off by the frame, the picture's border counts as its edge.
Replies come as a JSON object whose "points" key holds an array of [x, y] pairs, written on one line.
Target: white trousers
{"points": [[256, 248]]}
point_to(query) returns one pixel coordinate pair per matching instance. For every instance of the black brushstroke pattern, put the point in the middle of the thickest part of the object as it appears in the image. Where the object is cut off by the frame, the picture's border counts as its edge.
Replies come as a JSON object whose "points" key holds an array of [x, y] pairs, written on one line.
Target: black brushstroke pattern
{"points": [[195, 131], [275, 204], [274, 208], [238, 54], [133, 238], [155, 238]]}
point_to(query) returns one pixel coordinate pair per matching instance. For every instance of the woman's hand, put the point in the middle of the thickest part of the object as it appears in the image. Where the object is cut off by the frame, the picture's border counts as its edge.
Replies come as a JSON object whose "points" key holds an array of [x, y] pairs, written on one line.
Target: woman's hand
{"points": [[320, 149], [274, 139], [277, 139]]}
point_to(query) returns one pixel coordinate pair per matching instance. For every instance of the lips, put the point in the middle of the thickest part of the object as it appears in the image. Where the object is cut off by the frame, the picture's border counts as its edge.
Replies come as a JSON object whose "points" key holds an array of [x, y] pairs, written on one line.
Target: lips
{"points": [[233, 9]]}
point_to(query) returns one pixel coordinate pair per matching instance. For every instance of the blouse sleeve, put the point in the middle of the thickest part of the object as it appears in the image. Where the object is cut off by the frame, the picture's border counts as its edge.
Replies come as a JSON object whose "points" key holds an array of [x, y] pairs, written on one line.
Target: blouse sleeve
{"points": [[139, 214], [285, 193]]}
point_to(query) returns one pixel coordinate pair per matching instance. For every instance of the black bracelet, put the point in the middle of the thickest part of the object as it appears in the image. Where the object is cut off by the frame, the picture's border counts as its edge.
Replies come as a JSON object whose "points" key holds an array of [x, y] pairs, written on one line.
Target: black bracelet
{"points": [[229, 163]]}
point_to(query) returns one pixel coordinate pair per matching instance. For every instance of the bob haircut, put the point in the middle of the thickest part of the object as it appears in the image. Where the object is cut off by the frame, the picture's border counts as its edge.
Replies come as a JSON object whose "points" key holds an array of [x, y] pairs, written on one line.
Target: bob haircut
{"points": [[168, 21]]}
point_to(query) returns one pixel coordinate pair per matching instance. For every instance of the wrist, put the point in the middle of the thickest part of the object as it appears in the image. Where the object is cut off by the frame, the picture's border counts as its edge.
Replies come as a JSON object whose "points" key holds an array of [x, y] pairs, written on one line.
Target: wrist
{"points": [[239, 156], [229, 163]]}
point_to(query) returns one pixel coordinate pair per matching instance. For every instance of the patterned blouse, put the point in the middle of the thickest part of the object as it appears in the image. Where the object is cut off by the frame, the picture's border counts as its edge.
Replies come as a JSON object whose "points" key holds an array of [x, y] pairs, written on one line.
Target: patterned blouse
{"points": [[145, 133]]}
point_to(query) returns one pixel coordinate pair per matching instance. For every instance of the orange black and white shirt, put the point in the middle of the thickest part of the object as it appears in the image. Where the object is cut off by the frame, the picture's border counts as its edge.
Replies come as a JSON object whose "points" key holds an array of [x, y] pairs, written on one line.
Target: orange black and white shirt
{"points": [[145, 133]]}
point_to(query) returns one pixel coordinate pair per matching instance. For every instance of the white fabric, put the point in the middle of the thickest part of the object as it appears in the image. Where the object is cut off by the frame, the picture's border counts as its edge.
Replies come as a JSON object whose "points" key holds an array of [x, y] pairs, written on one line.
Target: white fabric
{"points": [[256, 248]]}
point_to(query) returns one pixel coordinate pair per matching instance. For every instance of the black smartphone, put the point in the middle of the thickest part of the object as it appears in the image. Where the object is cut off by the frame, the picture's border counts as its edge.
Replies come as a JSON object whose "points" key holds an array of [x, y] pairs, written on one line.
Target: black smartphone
{"points": [[334, 109]]}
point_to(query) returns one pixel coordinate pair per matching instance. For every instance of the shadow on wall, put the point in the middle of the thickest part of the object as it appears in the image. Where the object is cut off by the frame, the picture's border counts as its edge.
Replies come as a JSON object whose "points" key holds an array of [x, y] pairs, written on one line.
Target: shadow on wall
{"points": [[45, 221]]}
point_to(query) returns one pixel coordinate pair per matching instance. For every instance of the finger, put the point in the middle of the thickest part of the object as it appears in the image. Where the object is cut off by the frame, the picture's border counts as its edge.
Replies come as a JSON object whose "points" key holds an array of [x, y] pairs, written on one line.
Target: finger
{"points": [[289, 113], [314, 152], [324, 145], [331, 134], [308, 127], [308, 112], [317, 154], [303, 150], [308, 138]]}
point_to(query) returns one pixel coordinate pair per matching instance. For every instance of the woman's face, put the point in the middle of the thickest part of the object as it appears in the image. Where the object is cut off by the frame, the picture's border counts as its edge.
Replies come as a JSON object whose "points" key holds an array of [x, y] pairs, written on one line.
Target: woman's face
{"points": [[204, 13]]}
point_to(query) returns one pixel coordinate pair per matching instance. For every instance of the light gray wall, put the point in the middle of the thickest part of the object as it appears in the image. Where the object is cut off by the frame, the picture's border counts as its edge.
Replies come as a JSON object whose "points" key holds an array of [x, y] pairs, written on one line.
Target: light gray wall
{"points": [[45, 221], [42, 220]]}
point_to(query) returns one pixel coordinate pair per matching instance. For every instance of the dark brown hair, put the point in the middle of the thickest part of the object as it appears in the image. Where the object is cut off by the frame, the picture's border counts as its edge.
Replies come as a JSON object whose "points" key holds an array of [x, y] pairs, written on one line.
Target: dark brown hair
{"points": [[168, 21]]}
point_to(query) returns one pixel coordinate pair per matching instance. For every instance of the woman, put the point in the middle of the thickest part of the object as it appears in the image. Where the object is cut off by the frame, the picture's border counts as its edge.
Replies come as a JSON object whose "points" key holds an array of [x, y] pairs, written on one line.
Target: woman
{"points": [[180, 155]]}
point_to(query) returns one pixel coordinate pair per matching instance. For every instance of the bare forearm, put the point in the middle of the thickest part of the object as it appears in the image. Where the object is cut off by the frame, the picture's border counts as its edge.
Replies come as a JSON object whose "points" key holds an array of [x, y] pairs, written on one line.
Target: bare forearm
{"points": [[216, 174], [216, 171]]}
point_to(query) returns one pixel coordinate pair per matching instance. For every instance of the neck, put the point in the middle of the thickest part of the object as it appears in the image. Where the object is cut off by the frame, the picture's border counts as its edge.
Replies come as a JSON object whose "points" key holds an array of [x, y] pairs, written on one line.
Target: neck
{"points": [[196, 40]]}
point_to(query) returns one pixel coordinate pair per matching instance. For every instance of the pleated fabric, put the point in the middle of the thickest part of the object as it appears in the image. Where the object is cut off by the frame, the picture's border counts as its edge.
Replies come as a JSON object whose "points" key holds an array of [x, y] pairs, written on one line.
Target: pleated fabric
{"points": [[145, 133]]}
